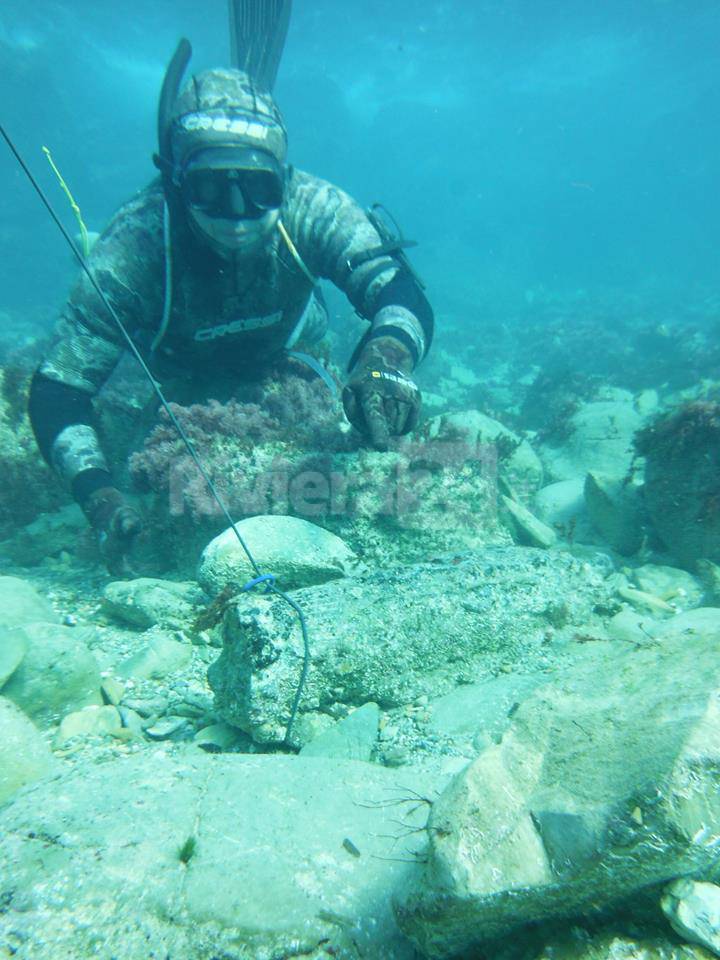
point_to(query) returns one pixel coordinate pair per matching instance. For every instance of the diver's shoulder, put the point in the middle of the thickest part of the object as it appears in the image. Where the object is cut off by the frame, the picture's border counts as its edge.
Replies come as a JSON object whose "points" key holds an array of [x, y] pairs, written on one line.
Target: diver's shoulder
{"points": [[306, 191], [143, 213]]}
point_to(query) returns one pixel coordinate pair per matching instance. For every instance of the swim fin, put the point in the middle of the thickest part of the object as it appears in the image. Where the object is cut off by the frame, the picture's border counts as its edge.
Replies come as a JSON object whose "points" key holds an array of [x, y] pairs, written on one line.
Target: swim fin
{"points": [[257, 36]]}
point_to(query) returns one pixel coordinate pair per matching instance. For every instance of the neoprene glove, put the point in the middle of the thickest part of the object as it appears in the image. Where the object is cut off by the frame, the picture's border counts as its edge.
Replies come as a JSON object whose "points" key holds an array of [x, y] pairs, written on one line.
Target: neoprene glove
{"points": [[116, 525], [380, 399]]}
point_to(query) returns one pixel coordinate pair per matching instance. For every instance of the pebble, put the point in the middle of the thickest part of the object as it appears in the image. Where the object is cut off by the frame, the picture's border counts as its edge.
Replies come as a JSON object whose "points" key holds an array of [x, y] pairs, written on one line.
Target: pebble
{"points": [[112, 691], [154, 707], [168, 728]]}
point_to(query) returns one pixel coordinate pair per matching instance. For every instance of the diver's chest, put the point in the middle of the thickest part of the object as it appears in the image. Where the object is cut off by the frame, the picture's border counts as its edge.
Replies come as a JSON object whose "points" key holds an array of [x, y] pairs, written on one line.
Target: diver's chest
{"points": [[229, 306]]}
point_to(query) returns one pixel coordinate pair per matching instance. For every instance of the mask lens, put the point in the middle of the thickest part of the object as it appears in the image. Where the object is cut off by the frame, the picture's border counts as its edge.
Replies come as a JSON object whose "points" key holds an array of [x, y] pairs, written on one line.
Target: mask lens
{"points": [[262, 188], [232, 194]]}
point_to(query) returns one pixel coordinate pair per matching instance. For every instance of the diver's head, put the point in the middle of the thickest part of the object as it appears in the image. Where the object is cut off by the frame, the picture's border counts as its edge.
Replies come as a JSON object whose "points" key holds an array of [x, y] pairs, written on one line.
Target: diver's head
{"points": [[228, 147]]}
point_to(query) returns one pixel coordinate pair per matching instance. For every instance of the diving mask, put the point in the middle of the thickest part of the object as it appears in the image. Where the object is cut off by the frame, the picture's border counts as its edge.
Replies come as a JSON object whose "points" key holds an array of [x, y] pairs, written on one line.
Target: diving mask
{"points": [[232, 184]]}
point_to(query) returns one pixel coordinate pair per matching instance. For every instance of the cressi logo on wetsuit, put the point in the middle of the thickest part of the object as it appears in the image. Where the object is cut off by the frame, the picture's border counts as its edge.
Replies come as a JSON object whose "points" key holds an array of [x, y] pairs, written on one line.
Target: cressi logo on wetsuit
{"points": [[237, 326]]}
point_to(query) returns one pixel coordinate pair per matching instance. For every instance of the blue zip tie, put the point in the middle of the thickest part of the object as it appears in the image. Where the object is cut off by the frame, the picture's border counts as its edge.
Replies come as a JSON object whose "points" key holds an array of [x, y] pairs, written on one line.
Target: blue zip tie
{"points": [[267, 578]]}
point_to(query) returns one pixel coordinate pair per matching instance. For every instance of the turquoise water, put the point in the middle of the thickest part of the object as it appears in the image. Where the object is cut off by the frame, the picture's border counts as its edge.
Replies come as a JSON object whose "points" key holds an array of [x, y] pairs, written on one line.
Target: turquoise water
{"points": [[558, 143]]}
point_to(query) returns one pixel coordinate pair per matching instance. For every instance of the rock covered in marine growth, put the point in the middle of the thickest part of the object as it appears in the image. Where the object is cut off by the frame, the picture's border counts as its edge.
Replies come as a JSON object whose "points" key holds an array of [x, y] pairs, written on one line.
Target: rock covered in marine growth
{"points": [[173, 852], [509, 454], [296, 552], [398, 634], [682, 464], [595, 792]]}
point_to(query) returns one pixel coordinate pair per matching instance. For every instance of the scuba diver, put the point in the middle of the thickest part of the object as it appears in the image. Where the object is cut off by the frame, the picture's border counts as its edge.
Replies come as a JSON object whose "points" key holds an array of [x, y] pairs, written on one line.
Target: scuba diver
{"points": [[215, 265]]}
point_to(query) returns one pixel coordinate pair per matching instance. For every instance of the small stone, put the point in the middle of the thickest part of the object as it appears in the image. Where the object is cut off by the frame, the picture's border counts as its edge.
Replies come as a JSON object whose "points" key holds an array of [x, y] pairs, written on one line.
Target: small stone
{"points": [[529, 529], [131, 721], [160, 658], [90, 722], [352, 738], [396, 756], [154, 707], [112, 691], [168, 728], [220, 735]]}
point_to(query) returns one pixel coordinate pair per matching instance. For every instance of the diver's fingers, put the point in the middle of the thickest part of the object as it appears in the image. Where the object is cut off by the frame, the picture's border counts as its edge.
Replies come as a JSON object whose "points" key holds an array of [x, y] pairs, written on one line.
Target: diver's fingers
{"points": [[397, 415], [376, 420]]}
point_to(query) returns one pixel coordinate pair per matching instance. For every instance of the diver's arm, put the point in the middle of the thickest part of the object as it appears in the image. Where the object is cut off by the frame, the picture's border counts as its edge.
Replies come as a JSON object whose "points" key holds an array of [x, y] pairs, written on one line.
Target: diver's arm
{"points": [[85, 350], [62, 419], [339, 242]]}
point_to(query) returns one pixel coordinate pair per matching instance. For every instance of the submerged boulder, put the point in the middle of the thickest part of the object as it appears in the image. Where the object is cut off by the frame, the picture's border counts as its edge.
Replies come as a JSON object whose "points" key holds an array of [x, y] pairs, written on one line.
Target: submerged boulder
{"points": [[20, 603], [146, 602], [24, 754], [615, 512], [681, 493], [398, 634], [599, 438], [58, 673], [604, 785]]}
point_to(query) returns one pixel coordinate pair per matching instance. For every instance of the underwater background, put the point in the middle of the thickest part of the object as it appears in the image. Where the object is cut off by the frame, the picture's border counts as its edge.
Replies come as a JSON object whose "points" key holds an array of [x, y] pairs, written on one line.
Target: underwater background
{"points": [[568, 145]]}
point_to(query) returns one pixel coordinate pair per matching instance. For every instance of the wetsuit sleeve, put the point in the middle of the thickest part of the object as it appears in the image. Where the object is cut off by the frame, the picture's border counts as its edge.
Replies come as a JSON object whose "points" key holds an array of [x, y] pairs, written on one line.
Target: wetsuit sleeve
{"points": [[336, 240], [85, 349]]}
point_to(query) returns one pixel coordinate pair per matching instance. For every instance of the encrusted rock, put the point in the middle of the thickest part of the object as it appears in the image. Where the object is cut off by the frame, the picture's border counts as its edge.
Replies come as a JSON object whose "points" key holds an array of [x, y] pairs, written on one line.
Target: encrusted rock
{"points": [[397, 634], [516, 461]]}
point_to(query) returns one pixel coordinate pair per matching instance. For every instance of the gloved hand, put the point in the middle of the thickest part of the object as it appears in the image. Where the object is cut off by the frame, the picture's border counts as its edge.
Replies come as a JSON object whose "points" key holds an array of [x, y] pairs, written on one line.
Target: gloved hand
{"points": [[380, 399], [116, 524]]}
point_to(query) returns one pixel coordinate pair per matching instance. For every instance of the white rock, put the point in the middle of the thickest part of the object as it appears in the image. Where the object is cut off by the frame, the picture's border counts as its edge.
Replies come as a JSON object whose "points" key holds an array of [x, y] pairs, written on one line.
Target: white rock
{"points": [[296, 552], [693, 909]]}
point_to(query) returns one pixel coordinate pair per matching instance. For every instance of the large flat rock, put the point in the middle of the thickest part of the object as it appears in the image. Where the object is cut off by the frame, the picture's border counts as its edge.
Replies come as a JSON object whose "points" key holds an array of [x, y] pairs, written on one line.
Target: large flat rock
{"points": [[289, 856]]}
